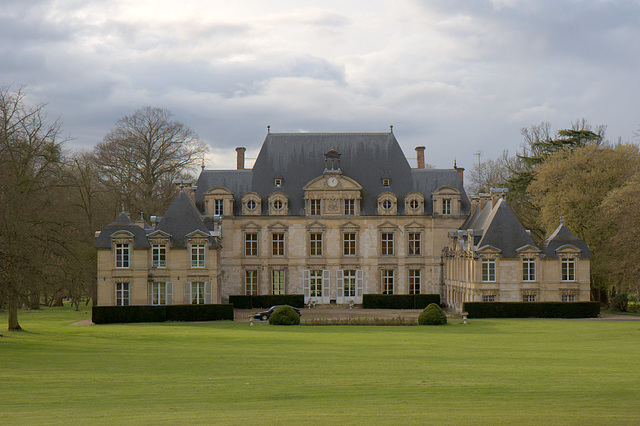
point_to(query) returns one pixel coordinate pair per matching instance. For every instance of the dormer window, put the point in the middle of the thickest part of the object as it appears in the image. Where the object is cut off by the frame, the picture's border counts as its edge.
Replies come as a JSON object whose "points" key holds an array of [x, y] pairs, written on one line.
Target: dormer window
{"points": [[277, 182], [386, 204], [414, 204], [218, 207], [446, 206], [315, 207], [386, 182], [251, 205], [278, 205]]}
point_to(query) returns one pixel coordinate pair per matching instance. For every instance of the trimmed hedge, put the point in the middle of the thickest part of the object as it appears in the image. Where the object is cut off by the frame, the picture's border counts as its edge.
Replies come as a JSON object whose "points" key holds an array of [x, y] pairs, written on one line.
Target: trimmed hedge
{"points": [[161, 313], [532, 309], [399, 301], [266, 301]]}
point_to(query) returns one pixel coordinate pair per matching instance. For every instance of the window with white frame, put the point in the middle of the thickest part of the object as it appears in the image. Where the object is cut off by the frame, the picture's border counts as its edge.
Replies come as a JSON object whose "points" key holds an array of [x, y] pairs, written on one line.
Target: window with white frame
{"points": [[277, 244], [415, 278], [528, 269], [446, 206], [316, 207], [218, 207], [122, 255], [122, 294], [349, 243], [251, 244], [488, 297], [530, 297], [315, 283], [386, 244], [568, 269], [568, 297], [198, 291], [277, 182], [315, 244], [160, 293], [251, 282], [159, 256], [388, 276], [414, 243], [488, 270], [277, 281], [197, 255], [349, 207], [349, 283]]}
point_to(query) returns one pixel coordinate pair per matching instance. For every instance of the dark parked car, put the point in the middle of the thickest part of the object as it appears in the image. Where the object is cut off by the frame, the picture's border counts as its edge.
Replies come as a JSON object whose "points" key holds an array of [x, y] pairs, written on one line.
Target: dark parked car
{"points": [[264, 315]]}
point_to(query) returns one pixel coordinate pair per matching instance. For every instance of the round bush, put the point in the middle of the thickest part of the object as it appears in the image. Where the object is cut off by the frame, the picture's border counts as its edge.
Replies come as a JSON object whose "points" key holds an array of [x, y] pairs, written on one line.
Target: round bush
{"points": [[284, 315], [432, 315]]}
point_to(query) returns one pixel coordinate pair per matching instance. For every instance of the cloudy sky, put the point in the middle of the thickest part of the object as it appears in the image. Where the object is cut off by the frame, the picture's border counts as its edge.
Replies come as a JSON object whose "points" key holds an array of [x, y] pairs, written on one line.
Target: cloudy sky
{"points": [[456, 76]]}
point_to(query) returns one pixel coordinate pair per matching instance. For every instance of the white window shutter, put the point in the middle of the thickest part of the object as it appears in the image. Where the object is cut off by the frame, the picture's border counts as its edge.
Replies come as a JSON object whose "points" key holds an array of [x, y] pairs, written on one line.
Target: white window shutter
{"points": [[359, 285], [169, 293], [150, 294], [187, 293], [207, 292], [305, 285], [340, 286], [325, 286]]}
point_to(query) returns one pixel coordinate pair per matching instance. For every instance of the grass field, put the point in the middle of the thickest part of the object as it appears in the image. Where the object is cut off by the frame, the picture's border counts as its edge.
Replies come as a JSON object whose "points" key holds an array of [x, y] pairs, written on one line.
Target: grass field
{"points": [[485, 372]]}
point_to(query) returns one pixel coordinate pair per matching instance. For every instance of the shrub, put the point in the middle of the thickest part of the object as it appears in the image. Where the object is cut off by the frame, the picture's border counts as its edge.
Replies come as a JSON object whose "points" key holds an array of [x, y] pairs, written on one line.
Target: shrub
{"points": [[398, 301], [432, 315], [284, 315], [620, 302], [266, 301], [532, 309]]}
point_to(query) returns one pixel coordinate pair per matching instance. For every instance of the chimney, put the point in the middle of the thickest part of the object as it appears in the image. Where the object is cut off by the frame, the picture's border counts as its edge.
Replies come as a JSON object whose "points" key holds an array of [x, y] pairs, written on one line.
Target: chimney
{"points": [[484, 197], [240, 157], [475, 203], [496, 194], [420, 154], [460, 171]]}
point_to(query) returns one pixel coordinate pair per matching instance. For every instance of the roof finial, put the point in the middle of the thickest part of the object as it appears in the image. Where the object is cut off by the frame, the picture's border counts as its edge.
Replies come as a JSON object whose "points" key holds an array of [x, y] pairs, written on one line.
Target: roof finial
{"points": [[202, 163], [122, 205], [391, 128], [455, 163], [268, 129], [141, 215], [561, 220]]}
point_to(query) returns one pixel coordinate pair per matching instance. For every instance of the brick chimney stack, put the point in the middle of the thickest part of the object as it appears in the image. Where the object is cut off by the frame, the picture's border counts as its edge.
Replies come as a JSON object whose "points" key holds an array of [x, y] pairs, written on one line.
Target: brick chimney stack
{"points": [[240, 157], [420, 154]]}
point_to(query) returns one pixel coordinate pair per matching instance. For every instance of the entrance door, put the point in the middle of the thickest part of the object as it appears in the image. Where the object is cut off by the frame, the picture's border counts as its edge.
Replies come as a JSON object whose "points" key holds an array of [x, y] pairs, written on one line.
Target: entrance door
{"points": [[315, 284]]}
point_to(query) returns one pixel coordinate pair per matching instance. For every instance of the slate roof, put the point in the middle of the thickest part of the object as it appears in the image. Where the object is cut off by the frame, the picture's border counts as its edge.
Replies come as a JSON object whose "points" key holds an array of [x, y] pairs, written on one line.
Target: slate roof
{"points": [[181, 219], [297, 158], [560, 237], [122, 223]]}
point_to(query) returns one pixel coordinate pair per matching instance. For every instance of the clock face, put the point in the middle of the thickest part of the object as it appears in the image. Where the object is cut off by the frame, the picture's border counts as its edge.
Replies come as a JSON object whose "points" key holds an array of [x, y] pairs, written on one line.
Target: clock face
{"points": [[332, 181]]}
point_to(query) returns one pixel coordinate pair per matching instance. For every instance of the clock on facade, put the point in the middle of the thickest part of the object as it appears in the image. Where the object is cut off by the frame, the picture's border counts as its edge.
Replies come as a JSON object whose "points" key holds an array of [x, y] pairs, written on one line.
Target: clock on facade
{"points": [[332, 181]]}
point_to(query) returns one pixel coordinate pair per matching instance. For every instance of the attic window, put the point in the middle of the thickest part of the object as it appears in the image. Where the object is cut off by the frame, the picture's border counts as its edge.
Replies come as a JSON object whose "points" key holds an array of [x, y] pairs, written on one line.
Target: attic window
{"points": [[386, 182], [277, 204], [251, 204], [277, 182], [386, 204], [414, 204]]}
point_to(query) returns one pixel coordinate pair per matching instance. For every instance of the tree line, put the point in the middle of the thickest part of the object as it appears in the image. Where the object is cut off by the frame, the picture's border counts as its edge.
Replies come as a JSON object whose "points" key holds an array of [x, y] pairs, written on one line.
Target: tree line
{"points": [[52, 200], [589, 182]]}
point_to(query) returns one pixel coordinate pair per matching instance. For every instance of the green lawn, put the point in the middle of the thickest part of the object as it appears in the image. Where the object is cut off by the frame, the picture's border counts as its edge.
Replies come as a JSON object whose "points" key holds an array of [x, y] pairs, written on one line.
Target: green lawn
{"points": [[485, 372]]}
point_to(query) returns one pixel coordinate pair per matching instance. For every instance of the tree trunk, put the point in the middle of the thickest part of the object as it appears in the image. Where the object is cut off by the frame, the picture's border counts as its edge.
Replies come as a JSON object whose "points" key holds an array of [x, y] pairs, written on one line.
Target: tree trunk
{"points": [[13, 315], [34, 300]]}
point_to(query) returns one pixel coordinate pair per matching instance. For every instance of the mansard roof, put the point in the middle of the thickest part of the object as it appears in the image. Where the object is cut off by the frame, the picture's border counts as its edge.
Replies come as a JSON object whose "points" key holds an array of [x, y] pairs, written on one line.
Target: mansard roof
{"points": [[298, 158], [181, 219], [561, 237], [122, 223]]}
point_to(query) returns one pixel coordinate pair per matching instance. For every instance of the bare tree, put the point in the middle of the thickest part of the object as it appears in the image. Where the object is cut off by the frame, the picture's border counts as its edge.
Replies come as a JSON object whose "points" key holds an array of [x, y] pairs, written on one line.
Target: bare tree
{"points": [[143, 154]]}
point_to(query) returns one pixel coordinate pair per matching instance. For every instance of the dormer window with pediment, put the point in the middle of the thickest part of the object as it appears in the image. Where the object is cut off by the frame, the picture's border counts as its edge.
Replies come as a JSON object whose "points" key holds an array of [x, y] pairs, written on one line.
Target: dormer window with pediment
{"points": [[278, 204], [251, 204], [332, 194], [218, 201], [414, 203], [387, 204], [447, 201]]}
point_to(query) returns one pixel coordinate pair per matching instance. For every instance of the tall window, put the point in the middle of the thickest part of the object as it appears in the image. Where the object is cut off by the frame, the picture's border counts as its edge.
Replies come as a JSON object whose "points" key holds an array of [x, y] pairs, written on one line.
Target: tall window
{"points": [[277, 282], [122, 294], [159, 293], [387, 281], [158, 256], [122, 255], [349, 283], [197, 293], [218, 207], [528, 269], [414, 244], [277, 244], [315, 283], [568, 269], [446, 206], [386, 240], [488, 270], [315, 207], [414, 281], [197, 255], [251, 283], [251, 244], [349, 243], [349, 207], [315, 244]]}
